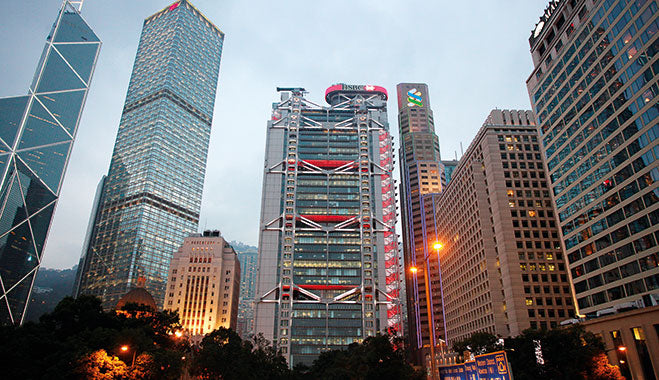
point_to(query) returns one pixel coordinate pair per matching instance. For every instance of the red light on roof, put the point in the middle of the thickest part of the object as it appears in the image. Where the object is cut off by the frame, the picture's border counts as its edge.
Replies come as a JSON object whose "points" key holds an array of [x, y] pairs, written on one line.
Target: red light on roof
{"points": [[174, 6]]}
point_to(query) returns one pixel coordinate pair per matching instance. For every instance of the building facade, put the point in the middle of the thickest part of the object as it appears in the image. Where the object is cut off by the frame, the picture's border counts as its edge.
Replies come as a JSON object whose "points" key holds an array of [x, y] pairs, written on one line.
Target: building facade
{"points": [[328, 268], [421, 179], [204, 284], [152, 193], [37, 134], [503, 268], [594, 89], [248, 257]]}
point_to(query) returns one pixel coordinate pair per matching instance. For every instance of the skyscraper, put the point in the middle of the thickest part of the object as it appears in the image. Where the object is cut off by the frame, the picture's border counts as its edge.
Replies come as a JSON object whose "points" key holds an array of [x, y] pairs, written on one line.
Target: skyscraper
{"points": [[248, 257], [36, 135], [328, 263], [594, 90], [421, 176], [204, 284], [152, 193], [503, 268]]}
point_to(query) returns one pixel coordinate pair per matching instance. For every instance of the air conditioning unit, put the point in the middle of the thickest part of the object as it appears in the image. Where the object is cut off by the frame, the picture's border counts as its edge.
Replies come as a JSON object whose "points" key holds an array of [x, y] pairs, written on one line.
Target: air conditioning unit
{"points": [[648, 300]]}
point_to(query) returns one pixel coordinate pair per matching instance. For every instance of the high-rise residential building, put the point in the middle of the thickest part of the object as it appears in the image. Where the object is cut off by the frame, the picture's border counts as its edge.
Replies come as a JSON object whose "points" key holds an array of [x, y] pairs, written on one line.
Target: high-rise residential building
{"points": [[503, 268], [248, 257], [328, 263], [152, 194], [421, 180], [449, 166], [594, 90], [37, 131], [204, 284]]}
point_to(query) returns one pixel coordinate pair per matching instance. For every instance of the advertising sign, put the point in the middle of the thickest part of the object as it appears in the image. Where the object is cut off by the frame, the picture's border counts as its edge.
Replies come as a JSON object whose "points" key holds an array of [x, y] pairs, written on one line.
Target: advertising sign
{"points": [[492, 366]]}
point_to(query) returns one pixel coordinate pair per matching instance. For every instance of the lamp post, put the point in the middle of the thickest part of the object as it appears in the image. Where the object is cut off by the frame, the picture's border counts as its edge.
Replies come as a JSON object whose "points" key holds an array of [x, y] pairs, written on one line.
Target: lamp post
{"points": [[426, 260], [125, 348]]}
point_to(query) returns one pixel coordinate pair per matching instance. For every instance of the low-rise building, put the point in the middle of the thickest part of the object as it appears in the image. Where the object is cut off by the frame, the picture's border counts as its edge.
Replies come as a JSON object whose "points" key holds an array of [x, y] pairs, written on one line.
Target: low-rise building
{"points": [[204, 284]]}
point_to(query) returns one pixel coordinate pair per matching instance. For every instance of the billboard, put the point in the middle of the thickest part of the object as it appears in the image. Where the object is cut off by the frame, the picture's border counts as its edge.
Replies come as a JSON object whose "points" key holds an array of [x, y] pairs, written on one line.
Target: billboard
{"points": [[492, 366]]}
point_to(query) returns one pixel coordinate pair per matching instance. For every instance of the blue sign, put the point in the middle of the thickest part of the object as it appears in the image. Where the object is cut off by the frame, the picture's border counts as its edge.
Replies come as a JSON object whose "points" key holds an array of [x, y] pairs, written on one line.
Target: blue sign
{"points": [[471, 371], [452, 372], [492, 366]]}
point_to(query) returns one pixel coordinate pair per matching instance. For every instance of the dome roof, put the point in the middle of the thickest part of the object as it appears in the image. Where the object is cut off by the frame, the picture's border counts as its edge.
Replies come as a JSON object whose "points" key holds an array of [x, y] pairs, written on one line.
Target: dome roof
{"points": [[139, 296]]}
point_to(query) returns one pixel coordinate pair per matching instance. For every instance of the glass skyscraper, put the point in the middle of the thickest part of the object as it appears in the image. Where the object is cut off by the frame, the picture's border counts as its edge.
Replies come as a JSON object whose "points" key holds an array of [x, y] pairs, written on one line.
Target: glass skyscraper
{"points": [[328, 263], [36, 135], [152, 194], [594, 89]]}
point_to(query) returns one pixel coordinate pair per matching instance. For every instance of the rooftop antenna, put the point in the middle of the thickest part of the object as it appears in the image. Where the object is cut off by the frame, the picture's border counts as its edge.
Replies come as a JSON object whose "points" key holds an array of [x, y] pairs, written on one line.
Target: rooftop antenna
{"points": [[456, 155], [462, 152]]}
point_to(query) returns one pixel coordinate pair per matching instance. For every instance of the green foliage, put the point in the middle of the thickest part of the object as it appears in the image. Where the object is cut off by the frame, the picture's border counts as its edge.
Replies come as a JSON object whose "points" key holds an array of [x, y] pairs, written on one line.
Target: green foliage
{"points": [[224, 355], [478, 343], [377, 358], [61, 341], [568, 354]]}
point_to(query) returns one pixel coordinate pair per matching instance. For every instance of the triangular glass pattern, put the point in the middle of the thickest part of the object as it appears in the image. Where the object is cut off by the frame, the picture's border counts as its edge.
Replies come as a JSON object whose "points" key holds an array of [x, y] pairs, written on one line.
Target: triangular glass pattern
{"points": [[18, 296], [41, 129], [14, 211], [65, 106], [6, 185], [47, 163], [4, 159], [40, 223], [80, 56], [58, 76], [36, 194], [5, 317], [11, 113], [44, 53], [72, 28], [17, 255]]}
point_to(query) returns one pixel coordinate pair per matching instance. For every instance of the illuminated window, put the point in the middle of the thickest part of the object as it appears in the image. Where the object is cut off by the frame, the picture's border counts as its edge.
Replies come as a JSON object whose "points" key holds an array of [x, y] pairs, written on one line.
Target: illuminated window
{"points": [[531, 213], [529, 302]]}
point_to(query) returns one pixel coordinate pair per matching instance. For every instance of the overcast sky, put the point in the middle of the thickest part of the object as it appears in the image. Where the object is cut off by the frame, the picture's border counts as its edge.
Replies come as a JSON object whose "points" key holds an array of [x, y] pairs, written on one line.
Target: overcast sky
{"points": [[474, 56]]}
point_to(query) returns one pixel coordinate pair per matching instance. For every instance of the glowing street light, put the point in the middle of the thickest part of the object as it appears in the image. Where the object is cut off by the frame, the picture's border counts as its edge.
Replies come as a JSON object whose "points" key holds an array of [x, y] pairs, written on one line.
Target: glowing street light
{"points": [[437, 246], [178, 333], [125, 348]]}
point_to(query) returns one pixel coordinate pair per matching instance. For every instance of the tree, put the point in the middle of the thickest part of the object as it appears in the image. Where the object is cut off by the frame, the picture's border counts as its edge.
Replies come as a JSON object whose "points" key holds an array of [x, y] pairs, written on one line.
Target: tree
{"points": [[601, 369], [478, 343], [77, 328], [566, 353], [101, 366], [224, 355], [376, 358]]}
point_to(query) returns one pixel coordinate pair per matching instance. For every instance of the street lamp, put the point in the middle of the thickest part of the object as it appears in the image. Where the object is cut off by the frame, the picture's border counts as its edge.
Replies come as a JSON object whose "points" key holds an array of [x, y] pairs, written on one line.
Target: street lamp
{"points": [[437, 246], [125, 348]]}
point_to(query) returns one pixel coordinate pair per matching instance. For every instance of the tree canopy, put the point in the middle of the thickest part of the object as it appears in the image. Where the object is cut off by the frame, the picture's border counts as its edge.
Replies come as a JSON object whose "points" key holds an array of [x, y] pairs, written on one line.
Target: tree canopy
{"points": [[78, 332], [565, 353]]}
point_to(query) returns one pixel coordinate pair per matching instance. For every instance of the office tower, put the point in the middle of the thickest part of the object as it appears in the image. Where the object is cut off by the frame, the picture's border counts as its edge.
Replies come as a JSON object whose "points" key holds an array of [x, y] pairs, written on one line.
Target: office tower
{"points": [[91, 226], [152, 194], [421, 176], [449, 166], [594, 90], [328, 268], [37, 131], [204, 284], [503, 269], [248, 257]]}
